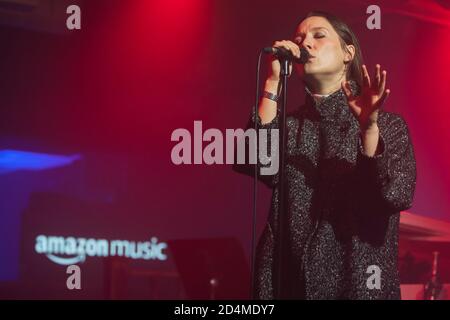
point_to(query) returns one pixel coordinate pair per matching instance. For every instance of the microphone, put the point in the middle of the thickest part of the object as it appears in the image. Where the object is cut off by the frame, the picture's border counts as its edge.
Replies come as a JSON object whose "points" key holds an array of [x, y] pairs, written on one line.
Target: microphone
{"points": [[286, 54]]}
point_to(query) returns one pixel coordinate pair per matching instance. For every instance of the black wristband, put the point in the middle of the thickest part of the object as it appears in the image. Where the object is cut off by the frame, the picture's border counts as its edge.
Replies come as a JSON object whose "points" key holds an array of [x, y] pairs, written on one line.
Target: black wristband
{"points": [[270, 96]]}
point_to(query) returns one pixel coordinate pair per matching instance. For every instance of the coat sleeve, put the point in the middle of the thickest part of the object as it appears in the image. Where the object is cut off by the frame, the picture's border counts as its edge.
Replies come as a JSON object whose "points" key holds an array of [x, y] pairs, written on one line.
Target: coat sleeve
{"points": [[266, 157], [388, 179]]}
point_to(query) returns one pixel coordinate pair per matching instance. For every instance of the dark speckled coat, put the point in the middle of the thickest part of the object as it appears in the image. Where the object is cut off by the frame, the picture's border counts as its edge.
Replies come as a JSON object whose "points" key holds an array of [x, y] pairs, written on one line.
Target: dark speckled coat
{"points": [[343, 206]]}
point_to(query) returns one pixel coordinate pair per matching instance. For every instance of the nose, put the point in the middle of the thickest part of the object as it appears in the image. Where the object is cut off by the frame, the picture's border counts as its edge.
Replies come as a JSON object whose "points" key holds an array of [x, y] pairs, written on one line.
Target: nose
{"points": [[307, 43]]}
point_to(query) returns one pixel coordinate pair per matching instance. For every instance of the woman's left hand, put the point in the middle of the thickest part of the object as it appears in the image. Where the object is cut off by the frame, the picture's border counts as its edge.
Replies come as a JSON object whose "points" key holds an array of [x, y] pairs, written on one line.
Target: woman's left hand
{"points": [[365, 107]]}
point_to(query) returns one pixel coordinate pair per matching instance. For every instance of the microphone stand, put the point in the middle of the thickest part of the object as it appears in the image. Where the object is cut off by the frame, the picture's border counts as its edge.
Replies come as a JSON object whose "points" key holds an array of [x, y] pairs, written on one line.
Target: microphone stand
{"points": [[281, 243]]}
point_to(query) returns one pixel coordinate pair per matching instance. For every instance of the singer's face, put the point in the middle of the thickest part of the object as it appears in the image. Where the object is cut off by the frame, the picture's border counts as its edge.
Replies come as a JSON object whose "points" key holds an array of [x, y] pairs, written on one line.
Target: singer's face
{"points": [[318, 36]]}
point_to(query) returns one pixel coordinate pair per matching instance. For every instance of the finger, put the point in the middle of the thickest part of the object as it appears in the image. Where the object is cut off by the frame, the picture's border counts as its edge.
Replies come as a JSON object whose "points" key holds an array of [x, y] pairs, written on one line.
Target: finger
{"points": [[347, 91], [376, 84], [276, 44], [288, 45], [297, 49], [366, 78], [382, 82], [349, 95], [281, 44], [293, 48], [383, 98]]}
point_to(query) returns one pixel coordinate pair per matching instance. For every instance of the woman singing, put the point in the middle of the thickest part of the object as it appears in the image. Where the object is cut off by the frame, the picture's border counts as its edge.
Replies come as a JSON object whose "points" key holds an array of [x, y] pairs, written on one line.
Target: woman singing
{"points": [[350, 169]]}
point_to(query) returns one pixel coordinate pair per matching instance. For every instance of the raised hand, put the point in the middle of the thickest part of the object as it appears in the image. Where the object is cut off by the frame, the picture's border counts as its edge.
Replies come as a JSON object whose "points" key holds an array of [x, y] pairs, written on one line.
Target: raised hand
{"points": [[365, 107]]}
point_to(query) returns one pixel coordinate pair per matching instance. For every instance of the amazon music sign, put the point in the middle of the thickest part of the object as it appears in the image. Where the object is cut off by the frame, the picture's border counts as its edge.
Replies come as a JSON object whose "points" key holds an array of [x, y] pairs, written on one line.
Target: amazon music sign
{"points": [[73, 250], [119, 251]]}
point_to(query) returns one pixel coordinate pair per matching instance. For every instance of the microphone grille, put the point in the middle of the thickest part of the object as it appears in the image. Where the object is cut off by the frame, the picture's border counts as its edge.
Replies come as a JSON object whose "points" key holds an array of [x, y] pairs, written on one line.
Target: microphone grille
{"points": [[304, 55]]}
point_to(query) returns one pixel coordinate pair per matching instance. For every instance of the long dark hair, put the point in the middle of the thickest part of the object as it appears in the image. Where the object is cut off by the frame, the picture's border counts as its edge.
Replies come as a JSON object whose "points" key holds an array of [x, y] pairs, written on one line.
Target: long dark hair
{"points": [[347, 37]]}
